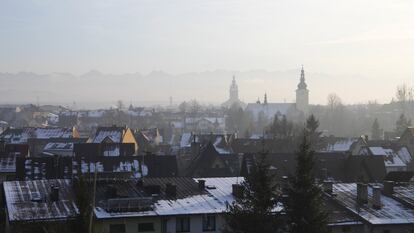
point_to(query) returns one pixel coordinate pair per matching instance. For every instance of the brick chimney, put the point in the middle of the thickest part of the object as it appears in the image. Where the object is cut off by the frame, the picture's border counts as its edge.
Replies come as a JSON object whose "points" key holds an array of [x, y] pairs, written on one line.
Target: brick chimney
{"points": [[171, 190], [376, 197], [201, 184], [388, 187], [362, 193], [54, 193], [237, 190]]}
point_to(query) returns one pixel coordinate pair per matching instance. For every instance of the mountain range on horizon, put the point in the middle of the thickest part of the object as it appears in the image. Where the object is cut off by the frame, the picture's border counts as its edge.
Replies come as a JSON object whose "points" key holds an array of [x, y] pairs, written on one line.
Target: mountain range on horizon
{"points": [[158, 86]]}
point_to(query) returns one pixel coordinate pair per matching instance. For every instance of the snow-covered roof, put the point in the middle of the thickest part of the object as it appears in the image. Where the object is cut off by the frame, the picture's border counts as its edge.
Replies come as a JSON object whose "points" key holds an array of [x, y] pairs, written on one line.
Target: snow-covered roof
{"points": [[404, 155], [30, 200], [136, 168], [185, 140], [341, 145], [46, 133], [21, 135], [66, 146], [392, 158], [391, 211], [218, 194], [8, 164], [376, 150], [218, 146], [113, 133], [219, 141]]}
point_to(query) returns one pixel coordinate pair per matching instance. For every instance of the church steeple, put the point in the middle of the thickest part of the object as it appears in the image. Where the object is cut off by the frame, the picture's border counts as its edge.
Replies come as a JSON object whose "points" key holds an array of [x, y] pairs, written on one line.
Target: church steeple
{"points": [[233, 95], [234, 90], [302, 94], [302, 84]]}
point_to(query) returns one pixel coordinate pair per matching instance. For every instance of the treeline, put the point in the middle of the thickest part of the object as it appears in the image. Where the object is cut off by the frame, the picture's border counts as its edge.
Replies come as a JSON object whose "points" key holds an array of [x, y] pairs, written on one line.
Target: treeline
{"points": [[336, 118]]}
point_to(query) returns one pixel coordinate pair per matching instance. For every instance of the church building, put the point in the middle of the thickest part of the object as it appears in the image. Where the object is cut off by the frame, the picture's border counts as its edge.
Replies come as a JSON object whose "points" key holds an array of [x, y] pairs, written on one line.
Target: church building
{"points": [[269, 110]]}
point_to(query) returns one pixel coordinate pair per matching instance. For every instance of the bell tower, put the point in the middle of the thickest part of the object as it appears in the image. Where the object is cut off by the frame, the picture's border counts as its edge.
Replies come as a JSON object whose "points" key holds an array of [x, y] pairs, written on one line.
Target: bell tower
{"points": [[234, 90], [302, 94]]}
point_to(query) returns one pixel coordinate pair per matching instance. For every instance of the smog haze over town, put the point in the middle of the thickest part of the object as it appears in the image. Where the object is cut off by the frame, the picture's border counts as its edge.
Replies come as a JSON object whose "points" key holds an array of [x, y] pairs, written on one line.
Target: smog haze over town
{"points": [[188, 49], [219, 116]]}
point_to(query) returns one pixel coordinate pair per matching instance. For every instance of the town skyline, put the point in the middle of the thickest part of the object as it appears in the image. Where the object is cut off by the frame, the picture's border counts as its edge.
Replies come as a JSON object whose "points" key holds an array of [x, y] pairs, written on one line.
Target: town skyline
{"points": [[344, 46]]}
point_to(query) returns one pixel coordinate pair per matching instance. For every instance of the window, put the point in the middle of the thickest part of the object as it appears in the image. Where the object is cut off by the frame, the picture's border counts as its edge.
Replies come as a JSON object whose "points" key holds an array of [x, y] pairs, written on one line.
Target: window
{"points": [[117, 228], [182, 224], [144, 227], [209, 223]]}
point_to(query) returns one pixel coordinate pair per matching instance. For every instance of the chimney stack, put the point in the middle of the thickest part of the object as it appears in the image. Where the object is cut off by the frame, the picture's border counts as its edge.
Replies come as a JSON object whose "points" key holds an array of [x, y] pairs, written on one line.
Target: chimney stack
{"points": [[388, 187], [171, 190], [237, 190], [54, 193], [201, 184], [285, 184], [376, 197], [362, 193], [328, 187]]}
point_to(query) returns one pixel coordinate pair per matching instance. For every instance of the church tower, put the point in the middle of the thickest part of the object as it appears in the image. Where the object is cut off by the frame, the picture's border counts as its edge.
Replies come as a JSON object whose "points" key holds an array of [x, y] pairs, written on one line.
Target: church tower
{"points": [[302, 94], [233, 95], [234, 91]]}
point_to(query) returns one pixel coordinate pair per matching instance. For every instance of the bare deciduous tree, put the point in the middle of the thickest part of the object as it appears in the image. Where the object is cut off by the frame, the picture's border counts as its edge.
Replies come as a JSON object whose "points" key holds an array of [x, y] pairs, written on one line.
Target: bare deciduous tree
{"points": [[334, 101]]}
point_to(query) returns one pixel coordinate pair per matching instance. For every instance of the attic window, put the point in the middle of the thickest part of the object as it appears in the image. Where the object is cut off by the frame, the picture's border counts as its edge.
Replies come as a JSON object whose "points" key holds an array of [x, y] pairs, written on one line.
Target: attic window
{"points": [[211, 187]]}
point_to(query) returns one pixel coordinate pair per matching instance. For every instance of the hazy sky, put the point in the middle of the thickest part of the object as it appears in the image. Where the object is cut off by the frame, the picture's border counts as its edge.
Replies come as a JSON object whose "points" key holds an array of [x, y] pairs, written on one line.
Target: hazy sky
{"points": [[370, 40]]}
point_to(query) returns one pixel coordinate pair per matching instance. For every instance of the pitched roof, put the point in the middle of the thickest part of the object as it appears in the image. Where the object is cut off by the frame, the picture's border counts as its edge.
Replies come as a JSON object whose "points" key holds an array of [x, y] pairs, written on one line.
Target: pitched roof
{"points": [[338, 166], [391, 211], [21, 135], [125, 166], [30, 200], [114, 134], [190, 199]]}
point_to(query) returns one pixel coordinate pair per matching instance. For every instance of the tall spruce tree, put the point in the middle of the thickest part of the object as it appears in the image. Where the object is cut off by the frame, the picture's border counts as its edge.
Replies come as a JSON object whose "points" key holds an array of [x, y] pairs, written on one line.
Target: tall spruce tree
{"points": [[83, 198], [375, 130], [312, 125], [304, 202], [252, 212]]}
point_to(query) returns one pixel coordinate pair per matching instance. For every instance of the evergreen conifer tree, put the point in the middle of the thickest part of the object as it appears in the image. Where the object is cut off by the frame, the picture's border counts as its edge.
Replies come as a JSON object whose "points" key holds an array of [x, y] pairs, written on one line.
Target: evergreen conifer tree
{"points": [[375, 130], [304, 202], [253, 211], [82, 191], [312, 125]]}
